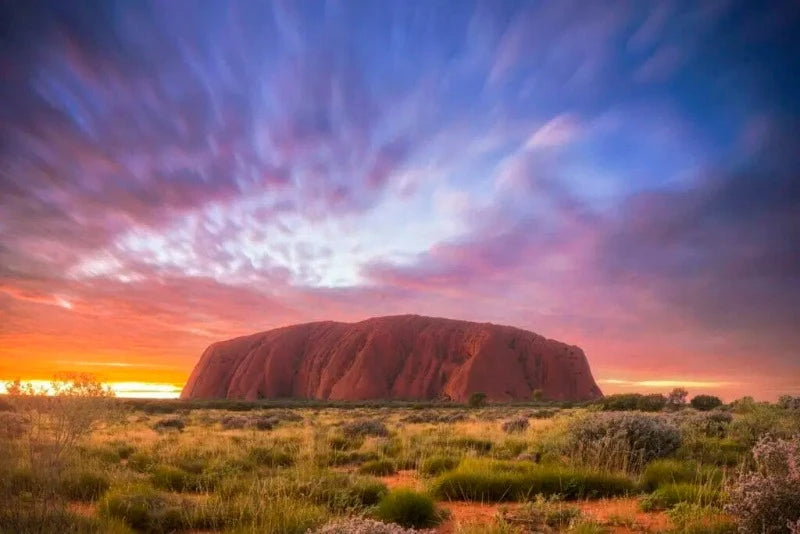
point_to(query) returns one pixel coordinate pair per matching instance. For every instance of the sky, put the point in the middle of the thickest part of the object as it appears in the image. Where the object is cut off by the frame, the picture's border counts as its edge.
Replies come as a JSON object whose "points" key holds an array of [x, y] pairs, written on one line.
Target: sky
{"points": [[622, 176]]}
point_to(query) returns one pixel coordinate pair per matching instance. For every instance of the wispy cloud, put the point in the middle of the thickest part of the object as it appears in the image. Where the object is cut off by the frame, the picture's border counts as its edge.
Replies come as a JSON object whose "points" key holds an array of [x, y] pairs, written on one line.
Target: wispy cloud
{"points": [[174, 176]]}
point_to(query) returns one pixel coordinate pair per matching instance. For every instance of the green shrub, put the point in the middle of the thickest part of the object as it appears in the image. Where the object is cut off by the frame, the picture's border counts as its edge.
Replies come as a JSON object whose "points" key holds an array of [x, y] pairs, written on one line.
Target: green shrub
{"points": [[141, 461], [381, 467], [668, 495], [497, 481], [407, 508], [337, 491], [705, 403], [622, 440], [436, 465], [588, 527], [365, 427], [345, 443], [29, 517], [84, 485], [477, 400], [172, 478], [748, 428], [633, 401], [338, 458], [693, 519], [143, 509], [270, 457], [715, 451], [510, 448], [660, 472], [541, 513], [465, 443], [122, 450]]}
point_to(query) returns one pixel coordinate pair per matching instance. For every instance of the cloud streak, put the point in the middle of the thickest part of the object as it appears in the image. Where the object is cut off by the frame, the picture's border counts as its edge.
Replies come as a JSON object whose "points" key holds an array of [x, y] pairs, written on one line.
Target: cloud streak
{"points": [[172, 174]]}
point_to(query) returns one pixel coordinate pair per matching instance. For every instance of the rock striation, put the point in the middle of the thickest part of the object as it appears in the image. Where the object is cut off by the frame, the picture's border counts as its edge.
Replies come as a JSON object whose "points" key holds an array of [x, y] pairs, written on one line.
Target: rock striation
{"points": [[395, 357]]}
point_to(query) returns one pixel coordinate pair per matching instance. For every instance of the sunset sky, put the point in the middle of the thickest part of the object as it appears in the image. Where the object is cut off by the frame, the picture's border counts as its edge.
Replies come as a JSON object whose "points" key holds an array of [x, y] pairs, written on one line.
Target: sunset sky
{"points": [[622, 176]]}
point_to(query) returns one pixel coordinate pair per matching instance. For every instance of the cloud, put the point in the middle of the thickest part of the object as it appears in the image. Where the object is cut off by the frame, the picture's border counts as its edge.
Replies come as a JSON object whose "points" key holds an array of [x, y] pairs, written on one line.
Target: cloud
{"points": [[556, 132], [170, 176]]}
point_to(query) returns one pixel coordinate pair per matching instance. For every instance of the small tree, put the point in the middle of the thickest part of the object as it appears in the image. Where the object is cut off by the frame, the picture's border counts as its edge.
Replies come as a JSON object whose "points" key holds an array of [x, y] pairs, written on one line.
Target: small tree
{"points": [[677, 399], [654, 402], [58, 418], [477, 400], [705, 403], [537, 395]]}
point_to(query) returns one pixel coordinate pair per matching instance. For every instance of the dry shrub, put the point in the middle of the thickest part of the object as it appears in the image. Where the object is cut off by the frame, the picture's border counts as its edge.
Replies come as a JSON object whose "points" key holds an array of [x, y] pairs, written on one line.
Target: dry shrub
{"points": [[365, 427], [622, 441], [518, 424], [359, 525]]}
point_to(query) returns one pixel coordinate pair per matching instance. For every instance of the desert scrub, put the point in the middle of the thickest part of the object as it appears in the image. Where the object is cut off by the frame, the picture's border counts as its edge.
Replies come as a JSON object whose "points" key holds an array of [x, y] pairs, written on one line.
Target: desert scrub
{"points": [[12, 425], [465, 443], [694, 519], [270, 457], [498, 526], [494, 481], [143, 509], [621, 441], [24, 517], [339, 458], [232, 422], [543, 512], [709, 450], [714, 424], [172, 478], [336, 491], [510, 448], [264, 422], [365, 427], [767, 500], [434, 417], [705, 403], [436, 465], [671, 494], [358, 525], [83, 485], [519, 424], [381, 467], [660, 472], [255, 512], [141, 461], [408, 508], [170, 423], [338, 442]]}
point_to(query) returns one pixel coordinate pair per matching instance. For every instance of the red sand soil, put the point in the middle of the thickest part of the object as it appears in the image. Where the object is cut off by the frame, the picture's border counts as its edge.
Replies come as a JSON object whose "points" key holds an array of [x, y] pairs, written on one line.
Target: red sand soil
{"points": [[621, 516], [403, 479]]}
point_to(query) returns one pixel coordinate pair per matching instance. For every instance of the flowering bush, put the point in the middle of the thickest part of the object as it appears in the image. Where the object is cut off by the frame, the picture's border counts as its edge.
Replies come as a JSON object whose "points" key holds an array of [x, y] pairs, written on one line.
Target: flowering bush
{"points": [[358, 525], [768, 499]]}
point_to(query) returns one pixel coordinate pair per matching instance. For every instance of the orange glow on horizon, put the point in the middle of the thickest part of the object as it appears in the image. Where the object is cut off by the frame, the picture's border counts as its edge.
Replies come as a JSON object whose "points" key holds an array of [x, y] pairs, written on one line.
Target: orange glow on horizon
{"points": [[124, 390]]}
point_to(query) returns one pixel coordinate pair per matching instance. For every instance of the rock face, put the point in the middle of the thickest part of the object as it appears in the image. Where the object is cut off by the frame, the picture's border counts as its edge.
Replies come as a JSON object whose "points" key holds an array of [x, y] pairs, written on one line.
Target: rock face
{"points": [[398, 357]]}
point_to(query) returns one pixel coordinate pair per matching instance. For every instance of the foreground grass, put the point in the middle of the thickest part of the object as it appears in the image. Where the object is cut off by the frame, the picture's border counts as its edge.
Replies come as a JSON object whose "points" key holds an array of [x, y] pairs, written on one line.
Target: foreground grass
{"points": [[497, 481], [275, 468]]}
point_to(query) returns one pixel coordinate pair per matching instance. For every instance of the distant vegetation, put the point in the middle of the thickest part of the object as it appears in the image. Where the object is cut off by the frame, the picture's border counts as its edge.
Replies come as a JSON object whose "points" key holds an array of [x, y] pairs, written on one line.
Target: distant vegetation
{"points": [[85, 462]]}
